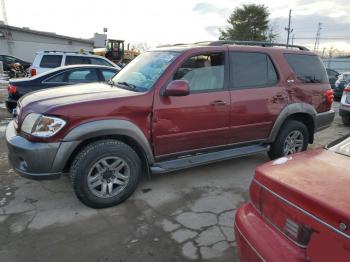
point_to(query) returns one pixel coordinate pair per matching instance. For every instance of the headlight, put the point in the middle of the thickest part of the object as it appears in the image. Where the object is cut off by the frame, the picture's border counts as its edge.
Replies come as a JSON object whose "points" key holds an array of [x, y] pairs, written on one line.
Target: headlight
{"points": [[42, 126]]}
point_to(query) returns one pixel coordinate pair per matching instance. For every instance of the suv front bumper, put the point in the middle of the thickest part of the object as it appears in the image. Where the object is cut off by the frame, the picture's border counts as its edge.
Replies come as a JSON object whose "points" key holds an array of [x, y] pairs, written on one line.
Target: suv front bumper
{"points": [[36, 160]]}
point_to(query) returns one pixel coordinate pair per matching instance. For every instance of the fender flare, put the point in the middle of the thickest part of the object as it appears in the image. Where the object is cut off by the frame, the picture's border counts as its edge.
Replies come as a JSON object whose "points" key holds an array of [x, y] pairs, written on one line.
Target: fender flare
{"points": [[288, 111], [111, 127]]}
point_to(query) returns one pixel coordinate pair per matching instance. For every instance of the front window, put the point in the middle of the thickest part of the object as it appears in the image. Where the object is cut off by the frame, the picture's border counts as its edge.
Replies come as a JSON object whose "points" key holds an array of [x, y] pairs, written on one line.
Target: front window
{"points": [[144, 70]]}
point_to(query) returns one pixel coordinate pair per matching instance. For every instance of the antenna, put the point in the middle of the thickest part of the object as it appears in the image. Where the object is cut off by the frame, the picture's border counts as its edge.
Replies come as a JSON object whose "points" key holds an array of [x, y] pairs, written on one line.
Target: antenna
{"points": [[3, 7], [318, 35]]}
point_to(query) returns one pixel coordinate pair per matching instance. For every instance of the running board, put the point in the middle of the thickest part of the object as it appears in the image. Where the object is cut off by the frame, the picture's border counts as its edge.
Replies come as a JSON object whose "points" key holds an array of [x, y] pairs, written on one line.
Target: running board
{"points": [[205, 158]]}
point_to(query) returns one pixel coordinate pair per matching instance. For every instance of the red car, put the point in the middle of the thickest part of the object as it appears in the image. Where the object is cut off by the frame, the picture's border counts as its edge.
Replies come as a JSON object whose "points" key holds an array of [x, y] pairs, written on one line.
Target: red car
{"points": [[299, 208]]}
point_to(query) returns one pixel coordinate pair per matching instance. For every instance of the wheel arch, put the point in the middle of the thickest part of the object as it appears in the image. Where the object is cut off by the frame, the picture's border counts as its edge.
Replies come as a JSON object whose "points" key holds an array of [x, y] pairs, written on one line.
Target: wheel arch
{"points": [[302, 112], [87, 133]]}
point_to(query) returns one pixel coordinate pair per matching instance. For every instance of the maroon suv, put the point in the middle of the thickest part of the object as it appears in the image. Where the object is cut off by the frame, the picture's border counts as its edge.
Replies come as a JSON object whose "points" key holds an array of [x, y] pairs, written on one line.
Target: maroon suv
{"points": [[172, 108]]}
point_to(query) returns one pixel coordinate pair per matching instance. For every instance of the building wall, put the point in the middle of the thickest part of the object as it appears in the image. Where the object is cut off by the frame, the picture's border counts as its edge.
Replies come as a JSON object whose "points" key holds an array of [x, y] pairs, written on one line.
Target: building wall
{"points": [[24, 45]]}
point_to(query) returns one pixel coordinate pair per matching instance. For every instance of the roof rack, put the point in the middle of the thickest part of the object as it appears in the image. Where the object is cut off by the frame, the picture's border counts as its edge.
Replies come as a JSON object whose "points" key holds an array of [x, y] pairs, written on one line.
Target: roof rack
{"points": [[68, 52], [250, 43]]}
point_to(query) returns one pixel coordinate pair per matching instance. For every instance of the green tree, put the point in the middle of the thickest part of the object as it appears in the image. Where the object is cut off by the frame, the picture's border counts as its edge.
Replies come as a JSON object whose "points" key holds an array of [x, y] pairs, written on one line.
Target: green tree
{"points": [[248, 23]]}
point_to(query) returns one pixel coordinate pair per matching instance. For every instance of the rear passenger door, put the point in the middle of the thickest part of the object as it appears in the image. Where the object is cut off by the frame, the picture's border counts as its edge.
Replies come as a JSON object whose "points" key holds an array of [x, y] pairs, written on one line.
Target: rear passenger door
{"points": [[257, 96]]}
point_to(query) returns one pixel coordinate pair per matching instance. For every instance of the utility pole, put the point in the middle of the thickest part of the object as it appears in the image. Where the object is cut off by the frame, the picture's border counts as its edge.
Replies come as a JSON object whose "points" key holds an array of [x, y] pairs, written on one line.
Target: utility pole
{"points": [[292, 39], [3, 7], [318, 34], [288, 29]]}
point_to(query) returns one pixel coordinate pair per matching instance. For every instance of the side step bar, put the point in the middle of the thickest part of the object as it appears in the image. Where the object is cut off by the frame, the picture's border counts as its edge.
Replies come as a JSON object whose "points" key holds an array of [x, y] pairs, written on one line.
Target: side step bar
{"points": [[206, 158]]}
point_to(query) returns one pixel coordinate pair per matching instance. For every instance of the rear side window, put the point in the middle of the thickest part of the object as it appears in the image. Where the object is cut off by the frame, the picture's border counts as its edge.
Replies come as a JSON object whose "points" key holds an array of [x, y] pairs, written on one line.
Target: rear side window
{"points": [[51, 61], [82, 76], [251, 70], [99, 61], [77, 60], [308, 68], [60, 78]]}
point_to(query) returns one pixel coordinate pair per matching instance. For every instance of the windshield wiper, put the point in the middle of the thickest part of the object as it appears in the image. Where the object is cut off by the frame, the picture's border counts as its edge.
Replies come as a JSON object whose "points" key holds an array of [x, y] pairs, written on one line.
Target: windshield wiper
{"points": [[131, 87]]}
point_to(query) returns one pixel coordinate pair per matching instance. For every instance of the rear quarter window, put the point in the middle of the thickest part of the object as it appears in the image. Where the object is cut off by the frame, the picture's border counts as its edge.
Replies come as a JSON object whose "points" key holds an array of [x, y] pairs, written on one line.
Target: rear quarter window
{"points": [[51, 61], [308, 68]]}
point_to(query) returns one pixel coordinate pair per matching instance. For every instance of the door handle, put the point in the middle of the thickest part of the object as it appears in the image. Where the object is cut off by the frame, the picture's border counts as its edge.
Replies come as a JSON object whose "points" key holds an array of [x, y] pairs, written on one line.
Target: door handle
{"points": [[217, 103]]}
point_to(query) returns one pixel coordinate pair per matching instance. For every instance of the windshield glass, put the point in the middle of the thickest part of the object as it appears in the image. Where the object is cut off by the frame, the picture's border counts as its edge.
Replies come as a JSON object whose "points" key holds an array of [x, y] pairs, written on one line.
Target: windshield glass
{"points": [[144, 70], [342, 147]]}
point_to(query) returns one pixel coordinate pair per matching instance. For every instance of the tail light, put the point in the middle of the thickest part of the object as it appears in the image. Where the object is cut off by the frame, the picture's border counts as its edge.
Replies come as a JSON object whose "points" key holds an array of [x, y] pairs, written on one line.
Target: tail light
{"points": [[347, 89], [329, 96], [284, 217], [32, 71], [12, 89]]}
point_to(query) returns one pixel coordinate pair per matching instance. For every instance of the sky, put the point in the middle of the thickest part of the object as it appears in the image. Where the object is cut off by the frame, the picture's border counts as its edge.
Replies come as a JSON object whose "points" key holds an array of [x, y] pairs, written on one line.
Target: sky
{"points": [[158, 22]]}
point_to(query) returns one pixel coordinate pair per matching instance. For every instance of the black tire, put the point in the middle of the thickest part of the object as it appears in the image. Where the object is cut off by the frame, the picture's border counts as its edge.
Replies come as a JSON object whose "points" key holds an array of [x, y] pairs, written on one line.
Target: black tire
{"points": [[277, 147], [92, 154], [346, 120]]}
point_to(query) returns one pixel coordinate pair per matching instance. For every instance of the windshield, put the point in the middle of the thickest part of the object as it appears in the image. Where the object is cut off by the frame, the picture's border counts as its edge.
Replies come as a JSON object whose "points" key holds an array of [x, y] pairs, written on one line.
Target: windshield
{"points": [[144, 70], [342, 147]]}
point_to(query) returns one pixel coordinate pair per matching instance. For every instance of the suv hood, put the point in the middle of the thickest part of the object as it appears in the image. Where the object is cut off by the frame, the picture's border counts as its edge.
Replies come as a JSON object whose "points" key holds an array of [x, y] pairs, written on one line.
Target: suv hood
{"points": [[317, 181], [52, 97]]}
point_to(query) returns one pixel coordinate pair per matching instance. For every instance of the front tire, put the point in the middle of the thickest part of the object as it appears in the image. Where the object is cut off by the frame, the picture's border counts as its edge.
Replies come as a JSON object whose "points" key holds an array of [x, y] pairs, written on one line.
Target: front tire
{"points": [[105, 173], [292, 138]]}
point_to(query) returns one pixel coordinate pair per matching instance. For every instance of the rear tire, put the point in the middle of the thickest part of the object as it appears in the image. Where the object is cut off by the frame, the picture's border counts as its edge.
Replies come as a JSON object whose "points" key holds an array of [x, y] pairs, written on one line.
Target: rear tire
{"points": [[293, 137], [346, 120], [105, 173]]}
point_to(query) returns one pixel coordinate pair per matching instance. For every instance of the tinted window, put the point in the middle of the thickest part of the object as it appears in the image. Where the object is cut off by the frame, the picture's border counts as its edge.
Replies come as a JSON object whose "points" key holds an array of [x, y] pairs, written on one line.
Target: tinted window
{"points": [[332, 73], [203, 72], [308, 68], [51, 61], [76, 60], [108, 74], [57, 78], [82, 76], [99, 61], [11, 59], [250, 69]]}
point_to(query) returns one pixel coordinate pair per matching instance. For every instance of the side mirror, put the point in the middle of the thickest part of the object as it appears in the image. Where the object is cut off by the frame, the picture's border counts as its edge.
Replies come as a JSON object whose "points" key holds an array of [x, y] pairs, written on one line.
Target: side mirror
{"points": [[177, 88]]}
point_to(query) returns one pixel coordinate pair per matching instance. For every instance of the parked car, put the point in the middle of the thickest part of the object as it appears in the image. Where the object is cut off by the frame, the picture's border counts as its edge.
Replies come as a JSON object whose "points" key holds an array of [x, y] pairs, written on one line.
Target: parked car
{"points": [[172, 108], [299, 208], [62, 76], [340, 84], [332, 76], [46, 60], [344, 109], [8, 61]]}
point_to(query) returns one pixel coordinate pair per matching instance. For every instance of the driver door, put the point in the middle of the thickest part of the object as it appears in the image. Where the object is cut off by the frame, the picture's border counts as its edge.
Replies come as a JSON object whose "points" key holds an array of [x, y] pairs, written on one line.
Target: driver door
{"points": [[200, 120]]}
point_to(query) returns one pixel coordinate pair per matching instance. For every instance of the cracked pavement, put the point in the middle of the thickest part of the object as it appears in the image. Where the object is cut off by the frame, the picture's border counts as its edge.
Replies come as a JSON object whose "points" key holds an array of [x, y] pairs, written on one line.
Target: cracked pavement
{"points": [[182, 216]]}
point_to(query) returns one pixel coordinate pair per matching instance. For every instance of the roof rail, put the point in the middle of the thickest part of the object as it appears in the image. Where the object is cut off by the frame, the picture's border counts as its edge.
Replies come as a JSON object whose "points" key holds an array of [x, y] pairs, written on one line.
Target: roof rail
{"points": [[251, 43], [68, 52]]}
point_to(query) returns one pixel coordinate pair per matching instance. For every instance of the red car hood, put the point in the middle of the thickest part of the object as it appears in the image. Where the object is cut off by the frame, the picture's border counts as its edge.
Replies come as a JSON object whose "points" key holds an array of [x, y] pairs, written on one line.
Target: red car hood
{"points": [[317, 181], [48, 98]]}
